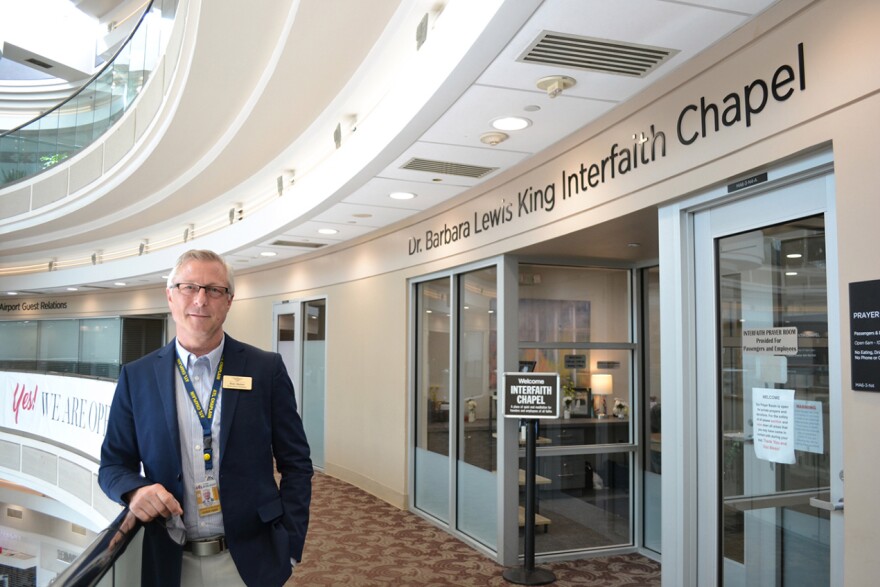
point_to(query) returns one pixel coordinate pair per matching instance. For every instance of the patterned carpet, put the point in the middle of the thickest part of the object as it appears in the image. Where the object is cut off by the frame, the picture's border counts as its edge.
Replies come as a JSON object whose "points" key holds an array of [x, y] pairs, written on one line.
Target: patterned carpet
{"points": [[358, 540]]}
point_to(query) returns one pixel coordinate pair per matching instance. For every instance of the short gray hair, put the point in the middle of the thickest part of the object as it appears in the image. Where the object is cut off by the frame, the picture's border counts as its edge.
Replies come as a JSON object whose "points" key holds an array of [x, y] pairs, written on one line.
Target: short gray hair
{"points": [[202, 255]]}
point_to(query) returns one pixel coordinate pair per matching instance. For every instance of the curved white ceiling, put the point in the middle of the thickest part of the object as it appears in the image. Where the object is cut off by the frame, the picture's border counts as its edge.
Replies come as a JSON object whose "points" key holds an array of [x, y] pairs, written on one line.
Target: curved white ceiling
{"points": [[265, 89]]}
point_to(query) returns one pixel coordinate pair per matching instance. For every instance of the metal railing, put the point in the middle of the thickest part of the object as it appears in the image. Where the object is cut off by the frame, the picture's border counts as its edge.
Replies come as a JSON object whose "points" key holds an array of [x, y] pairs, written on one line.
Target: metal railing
{"points": [[103, 555], [86, 115]]}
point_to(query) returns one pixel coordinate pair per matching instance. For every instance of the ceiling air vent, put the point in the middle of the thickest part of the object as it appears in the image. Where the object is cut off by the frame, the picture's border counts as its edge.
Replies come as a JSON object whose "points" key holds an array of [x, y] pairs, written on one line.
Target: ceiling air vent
{"points": [[447, 168], [300, 244], [38, 63], [599, 55]]}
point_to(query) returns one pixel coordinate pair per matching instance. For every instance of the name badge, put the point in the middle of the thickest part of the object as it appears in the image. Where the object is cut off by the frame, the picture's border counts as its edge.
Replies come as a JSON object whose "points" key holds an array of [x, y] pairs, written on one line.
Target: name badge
{"points": [[237, 382], [207, 497]]}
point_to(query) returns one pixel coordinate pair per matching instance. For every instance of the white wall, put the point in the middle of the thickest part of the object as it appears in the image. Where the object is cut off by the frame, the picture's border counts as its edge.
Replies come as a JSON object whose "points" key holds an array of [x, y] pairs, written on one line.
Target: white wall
{"points": [[366, 285]]}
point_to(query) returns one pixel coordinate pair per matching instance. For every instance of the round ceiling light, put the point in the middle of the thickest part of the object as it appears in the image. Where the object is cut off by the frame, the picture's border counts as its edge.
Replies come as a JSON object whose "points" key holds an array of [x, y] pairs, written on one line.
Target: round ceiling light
{"points": [[327, 231], [401, 195], [511, 123]]}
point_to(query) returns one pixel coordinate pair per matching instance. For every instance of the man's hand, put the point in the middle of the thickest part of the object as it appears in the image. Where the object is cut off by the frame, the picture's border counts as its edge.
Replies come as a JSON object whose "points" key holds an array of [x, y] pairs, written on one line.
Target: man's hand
{"points": [[151, 502]]}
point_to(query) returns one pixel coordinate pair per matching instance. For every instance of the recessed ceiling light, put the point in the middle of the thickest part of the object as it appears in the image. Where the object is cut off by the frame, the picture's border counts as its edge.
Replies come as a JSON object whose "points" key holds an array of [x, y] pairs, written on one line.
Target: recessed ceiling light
{"points": [[532, 108], [120, 283], [791, 273], [72, 289], [268, 254], [362, 215], [12, 293], [511, 123], [793, 256], [401, 195], [327, 231]]}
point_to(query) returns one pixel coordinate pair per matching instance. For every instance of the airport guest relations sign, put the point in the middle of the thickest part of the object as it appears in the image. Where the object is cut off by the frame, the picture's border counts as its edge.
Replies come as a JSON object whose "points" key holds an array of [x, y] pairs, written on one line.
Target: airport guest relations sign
{"points": [[68, 410], [531, 395], [864, 324]]}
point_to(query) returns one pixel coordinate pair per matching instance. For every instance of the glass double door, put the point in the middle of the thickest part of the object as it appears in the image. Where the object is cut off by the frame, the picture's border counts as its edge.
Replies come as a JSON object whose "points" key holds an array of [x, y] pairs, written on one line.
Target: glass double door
{"points": [[769, 400]]}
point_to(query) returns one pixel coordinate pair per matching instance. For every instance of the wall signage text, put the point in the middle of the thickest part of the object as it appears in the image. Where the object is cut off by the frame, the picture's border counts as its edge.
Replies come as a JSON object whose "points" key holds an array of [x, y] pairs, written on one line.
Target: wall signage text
{"points": [[32, 306], [864, 326], [696, 121]]}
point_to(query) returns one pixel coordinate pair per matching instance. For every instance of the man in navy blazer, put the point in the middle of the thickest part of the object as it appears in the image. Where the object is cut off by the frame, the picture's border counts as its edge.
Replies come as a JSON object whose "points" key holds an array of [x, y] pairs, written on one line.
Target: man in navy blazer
{"points": [[205, 486]]}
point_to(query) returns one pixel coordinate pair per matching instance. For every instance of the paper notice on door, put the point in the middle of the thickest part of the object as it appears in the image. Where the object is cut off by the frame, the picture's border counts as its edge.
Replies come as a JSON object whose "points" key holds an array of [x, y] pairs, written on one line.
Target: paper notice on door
{"points": [[773, 417], [808, 430]]}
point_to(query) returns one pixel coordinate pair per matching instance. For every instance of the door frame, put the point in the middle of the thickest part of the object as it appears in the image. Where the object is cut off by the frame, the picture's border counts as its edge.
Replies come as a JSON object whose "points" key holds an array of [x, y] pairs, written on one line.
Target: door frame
{"points": [[691, 546]]}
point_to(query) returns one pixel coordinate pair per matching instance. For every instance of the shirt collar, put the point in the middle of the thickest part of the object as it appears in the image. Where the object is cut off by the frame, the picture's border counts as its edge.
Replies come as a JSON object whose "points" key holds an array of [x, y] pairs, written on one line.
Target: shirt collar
{"points": [[213, 356]]}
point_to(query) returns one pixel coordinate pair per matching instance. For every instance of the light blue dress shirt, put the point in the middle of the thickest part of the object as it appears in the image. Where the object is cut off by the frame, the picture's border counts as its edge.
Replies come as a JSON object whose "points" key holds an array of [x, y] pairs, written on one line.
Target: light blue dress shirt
{"points": [[201, 372]]}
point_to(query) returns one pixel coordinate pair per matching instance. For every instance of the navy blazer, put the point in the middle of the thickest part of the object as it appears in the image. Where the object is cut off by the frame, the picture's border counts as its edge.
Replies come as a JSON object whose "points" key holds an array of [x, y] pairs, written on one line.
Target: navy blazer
{"points": [[265, 524]]}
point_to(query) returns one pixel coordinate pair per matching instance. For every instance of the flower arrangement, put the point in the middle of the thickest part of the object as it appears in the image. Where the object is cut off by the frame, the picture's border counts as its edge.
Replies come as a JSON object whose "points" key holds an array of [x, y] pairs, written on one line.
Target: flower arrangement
{"points": [[568, 392], [471, 410]]}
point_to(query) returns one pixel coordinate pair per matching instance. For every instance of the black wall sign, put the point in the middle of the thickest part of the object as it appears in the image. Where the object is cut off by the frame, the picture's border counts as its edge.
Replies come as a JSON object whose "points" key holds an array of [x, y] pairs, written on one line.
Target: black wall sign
{"points": [[531, 395], [746, 183], [575, 361], [864, 326]]}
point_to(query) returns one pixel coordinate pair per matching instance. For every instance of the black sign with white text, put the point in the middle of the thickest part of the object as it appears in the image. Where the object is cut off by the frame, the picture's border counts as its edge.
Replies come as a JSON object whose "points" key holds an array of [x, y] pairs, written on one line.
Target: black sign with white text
{"points": [[531, 395], [864, 325]]}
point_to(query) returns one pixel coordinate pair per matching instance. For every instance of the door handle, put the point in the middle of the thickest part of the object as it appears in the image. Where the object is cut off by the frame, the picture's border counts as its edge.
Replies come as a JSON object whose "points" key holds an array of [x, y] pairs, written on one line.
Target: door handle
{"points": [[826, 505]]}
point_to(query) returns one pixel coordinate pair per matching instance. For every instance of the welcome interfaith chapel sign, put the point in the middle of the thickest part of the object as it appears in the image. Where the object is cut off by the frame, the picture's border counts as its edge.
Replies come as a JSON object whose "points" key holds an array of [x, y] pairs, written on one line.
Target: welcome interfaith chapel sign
{"points": [[531, 395]]}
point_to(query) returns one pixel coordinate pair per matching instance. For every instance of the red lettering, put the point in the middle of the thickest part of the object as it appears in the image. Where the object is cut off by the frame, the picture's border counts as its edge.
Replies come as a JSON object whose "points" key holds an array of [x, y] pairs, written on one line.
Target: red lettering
{"points": [[23, 400]]}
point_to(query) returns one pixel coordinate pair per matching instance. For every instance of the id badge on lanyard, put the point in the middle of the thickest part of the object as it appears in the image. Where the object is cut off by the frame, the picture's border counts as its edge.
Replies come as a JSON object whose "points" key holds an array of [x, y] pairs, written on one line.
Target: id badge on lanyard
{"points": [[207, 492]]}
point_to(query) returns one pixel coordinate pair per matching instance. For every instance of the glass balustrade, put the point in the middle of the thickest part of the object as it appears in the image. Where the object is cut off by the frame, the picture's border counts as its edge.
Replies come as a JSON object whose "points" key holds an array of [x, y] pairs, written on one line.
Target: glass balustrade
{"points": [[90, 112]]}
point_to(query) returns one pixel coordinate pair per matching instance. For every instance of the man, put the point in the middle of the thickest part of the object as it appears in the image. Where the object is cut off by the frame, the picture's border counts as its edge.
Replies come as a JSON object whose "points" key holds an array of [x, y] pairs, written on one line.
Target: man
{"points": [[195, 432]]}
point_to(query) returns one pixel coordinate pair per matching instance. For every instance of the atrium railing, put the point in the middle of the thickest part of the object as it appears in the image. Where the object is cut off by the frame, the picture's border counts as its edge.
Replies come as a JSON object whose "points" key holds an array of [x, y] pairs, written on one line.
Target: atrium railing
{"points": [[86, 115], [105, 554]]}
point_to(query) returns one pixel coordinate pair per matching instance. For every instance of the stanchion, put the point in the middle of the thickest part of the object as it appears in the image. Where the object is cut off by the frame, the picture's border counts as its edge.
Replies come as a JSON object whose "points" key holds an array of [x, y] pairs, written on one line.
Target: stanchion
{"points": [[528, 574]]}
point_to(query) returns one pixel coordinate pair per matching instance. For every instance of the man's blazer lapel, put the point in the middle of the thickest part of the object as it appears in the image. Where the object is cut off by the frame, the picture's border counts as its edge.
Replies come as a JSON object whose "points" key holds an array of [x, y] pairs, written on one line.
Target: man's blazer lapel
{"points": [[234, 363], [165, 370]]}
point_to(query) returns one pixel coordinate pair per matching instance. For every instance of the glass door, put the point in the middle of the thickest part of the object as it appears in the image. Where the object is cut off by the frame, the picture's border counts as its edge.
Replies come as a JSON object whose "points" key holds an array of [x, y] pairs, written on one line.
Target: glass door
{"points": [[772, 420], [300, 339]]}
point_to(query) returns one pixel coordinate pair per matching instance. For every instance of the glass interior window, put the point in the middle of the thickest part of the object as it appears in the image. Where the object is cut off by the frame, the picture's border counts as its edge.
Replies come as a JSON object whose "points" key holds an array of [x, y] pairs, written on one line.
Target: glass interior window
{"points": [[774, 397], [583, 501], [432, 401], [477, 344]]}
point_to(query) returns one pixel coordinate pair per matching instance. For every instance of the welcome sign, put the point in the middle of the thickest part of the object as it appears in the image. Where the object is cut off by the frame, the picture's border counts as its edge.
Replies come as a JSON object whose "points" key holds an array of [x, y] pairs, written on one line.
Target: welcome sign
{"points": [[531, 395], [66, 410]]}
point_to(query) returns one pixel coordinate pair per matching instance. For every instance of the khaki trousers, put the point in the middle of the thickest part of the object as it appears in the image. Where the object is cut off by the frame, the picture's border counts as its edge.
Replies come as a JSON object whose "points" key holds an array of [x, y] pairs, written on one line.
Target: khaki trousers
{"points": [[209, 571]]}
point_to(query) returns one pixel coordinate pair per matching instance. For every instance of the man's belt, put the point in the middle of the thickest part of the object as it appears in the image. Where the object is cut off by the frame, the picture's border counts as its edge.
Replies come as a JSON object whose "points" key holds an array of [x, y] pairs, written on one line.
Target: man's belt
{"points": [[207, 547]]}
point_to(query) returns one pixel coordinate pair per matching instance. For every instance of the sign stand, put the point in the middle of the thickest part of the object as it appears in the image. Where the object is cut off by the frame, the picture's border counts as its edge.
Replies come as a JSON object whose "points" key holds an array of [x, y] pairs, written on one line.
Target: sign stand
{"points": [[530, 397], [528, 574]]}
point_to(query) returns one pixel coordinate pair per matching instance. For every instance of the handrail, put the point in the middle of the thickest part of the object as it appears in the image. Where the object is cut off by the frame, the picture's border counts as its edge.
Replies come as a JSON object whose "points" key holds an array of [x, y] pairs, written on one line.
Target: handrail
{"points": [[36, 146], [95, 75], [100, 556]]}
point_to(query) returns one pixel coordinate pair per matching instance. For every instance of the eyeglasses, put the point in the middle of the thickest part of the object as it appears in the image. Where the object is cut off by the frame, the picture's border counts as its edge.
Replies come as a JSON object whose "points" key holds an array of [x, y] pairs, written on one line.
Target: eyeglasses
{"points": [[191, 290]]}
